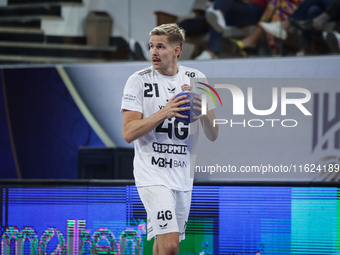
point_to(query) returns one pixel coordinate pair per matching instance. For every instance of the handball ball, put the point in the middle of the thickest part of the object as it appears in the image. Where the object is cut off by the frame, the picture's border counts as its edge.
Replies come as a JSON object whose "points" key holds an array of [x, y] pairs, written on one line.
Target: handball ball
{"points": [[190, 113]]}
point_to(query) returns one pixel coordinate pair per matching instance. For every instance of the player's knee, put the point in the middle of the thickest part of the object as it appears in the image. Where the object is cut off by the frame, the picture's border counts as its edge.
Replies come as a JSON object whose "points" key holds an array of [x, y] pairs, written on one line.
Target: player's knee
{"points": [[172, 248]]}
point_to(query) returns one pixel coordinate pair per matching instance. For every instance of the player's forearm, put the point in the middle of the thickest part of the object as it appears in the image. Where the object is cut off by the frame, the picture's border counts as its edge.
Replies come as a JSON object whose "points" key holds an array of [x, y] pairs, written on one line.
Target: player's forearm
{"points": [[135, 129], [210, 131]]}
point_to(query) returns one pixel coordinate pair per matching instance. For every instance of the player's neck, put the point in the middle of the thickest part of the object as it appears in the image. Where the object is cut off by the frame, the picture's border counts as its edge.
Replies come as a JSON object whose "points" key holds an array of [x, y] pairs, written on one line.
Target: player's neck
{"points": [[171, 71]]}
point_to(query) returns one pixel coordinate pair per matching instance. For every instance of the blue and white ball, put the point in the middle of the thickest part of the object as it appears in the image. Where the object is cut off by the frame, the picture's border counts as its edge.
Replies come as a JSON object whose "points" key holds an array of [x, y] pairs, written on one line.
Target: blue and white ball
{"points": [[190, 113]]}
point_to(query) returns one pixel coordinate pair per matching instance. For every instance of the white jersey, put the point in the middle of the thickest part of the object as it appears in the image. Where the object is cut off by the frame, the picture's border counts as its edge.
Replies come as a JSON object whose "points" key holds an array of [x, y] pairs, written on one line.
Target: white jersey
{"points": [[162, 157]]}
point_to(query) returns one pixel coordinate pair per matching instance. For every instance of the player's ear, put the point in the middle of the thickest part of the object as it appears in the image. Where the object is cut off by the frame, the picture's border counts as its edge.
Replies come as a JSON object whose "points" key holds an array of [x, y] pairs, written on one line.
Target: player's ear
{"points": [[178, 51]]}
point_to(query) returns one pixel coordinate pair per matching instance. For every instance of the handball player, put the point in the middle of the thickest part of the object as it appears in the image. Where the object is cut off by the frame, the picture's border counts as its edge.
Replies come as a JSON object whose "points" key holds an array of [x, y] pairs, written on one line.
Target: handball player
{"points": [[161, 142]]}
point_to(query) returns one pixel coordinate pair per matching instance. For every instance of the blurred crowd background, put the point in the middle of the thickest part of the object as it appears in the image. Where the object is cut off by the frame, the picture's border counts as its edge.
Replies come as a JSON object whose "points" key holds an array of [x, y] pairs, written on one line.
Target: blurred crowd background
{"points": [[73, 31]]}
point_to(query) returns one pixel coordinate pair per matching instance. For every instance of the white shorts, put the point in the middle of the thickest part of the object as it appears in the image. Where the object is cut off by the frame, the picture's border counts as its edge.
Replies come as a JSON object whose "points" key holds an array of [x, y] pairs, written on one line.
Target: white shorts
{"points": [[167, 210]]}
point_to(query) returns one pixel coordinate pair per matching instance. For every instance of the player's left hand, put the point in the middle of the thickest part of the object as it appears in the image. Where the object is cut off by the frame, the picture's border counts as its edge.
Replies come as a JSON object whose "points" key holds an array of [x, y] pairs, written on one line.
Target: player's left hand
{"points": [[198, 102]]}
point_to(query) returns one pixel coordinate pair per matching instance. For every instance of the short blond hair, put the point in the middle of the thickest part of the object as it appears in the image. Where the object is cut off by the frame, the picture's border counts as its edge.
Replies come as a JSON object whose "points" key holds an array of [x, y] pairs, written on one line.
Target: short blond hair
{"points": [[174, 33]]}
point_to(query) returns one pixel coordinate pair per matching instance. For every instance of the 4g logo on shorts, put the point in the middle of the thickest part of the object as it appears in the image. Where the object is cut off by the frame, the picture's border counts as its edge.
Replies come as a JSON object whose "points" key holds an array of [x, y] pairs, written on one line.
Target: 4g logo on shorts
{"points": [[161, 215], [238, 105], [167, 215]]}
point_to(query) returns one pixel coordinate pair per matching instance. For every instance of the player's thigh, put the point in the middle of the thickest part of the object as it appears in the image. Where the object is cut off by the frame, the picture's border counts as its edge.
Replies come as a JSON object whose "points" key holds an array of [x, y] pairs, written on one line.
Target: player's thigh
{"points": [[160, 204]]}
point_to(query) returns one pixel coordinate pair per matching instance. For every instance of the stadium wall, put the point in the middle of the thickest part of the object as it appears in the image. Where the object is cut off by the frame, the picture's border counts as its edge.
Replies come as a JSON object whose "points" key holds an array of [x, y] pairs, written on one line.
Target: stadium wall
{"points": [[53, 110]]}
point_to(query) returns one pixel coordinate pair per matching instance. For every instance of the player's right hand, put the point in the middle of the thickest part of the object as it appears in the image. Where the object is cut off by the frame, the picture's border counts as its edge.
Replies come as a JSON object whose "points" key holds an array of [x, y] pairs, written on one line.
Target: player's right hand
{"points": [[173, 107]]}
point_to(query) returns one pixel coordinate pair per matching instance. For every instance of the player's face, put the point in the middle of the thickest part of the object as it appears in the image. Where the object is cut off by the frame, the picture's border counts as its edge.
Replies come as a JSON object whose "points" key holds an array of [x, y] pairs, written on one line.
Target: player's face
{"points": [[163, 54]]}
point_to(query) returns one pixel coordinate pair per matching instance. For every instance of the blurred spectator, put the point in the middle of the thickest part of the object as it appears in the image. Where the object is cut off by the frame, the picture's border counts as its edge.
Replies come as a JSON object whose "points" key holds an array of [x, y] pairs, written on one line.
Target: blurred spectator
{"points": [[198, 24], [276, 11], [311, 17], [330, 11], [333, 41], [229, 13]]}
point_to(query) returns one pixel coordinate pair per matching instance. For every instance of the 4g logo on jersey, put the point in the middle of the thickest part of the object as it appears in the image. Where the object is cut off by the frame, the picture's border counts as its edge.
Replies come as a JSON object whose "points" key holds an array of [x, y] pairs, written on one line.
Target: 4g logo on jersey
{"points": [[190, 74], [180, 130]]}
